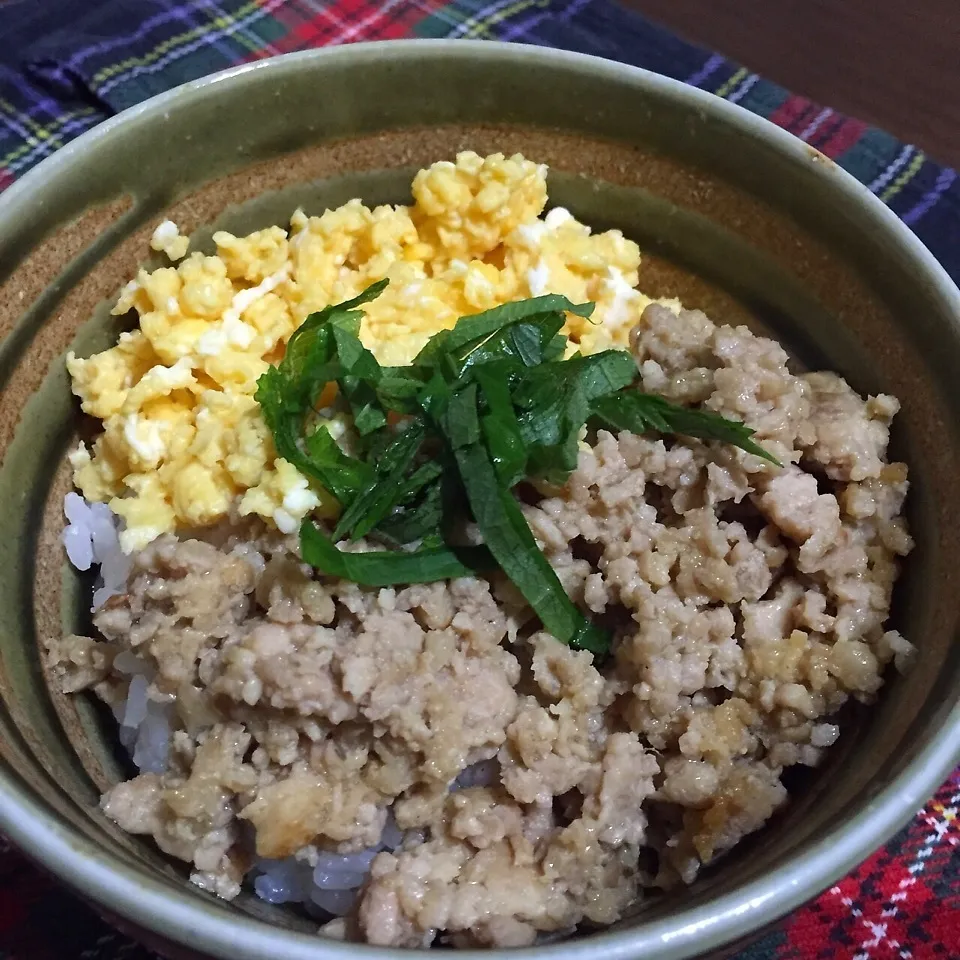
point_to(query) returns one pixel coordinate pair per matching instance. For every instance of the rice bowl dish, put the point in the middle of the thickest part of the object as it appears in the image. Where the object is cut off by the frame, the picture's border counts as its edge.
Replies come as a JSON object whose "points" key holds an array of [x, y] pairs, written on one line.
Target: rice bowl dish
{"points": [[427, 762]]}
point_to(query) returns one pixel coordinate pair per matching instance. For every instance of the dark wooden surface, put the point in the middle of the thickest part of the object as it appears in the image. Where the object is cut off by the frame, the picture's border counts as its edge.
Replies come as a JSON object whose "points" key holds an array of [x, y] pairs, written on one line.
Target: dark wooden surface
{"points": [[892, 63]]}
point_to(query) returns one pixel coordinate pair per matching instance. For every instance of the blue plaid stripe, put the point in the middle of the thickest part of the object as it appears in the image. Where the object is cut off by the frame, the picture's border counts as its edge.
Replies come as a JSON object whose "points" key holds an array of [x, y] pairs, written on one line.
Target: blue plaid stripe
{"points": [[34, 123]]}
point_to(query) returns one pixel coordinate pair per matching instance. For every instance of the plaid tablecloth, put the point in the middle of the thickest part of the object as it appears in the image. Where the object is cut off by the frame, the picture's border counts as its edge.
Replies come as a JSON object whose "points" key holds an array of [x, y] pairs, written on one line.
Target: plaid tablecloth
{"points": [[65, 65]]}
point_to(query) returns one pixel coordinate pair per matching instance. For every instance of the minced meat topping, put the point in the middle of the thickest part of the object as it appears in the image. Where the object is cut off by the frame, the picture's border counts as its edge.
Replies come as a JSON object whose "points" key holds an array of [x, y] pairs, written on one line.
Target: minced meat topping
{"points": [[747, 604]]}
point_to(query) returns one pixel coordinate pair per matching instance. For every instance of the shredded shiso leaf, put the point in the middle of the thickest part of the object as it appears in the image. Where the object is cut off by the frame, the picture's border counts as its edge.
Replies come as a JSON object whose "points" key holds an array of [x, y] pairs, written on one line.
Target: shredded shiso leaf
{"points": [[491, 403]]}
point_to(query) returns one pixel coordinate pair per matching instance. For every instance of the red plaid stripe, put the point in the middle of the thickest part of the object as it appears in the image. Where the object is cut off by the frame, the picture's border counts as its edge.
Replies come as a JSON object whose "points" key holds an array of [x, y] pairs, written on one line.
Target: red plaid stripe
{"points": [[844, 135], [353, 20]]}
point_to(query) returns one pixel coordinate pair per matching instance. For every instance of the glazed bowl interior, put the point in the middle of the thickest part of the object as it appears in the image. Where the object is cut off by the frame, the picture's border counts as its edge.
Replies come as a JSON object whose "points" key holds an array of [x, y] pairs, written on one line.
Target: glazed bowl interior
{"points": [[733, 216]]}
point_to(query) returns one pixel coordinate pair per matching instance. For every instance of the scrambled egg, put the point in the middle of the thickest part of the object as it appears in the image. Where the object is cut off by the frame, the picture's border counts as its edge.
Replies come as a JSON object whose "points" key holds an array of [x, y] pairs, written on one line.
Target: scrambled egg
{"points": [[184, 444]]}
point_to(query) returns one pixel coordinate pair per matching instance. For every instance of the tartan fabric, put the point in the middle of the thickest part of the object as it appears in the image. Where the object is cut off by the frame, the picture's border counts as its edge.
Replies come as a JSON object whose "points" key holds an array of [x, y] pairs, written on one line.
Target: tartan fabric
{"points": [[65, 65]]}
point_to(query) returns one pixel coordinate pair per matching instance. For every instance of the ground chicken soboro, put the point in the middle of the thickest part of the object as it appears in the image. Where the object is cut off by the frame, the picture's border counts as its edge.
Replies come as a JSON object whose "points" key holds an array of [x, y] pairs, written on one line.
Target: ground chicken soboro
{"points": [[748, 601]]}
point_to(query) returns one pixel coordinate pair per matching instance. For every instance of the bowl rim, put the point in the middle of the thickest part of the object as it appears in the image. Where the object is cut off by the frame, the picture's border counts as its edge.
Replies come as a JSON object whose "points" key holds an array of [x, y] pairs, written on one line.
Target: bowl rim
{"points": [[207, 926]]}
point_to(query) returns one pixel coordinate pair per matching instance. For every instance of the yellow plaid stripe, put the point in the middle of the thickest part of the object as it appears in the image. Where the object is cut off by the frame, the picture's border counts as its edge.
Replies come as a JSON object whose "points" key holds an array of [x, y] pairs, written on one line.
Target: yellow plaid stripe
{"points": [[39, 134]]}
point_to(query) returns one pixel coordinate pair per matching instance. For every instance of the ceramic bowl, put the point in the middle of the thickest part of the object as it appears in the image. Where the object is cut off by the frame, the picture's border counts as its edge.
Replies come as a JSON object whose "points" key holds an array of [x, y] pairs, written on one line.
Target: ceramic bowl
{"points": [[734, 216]]}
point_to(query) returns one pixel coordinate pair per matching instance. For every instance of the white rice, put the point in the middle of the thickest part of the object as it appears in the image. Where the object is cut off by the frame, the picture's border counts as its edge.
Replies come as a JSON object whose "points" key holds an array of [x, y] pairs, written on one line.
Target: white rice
{"points": [[145, 723], [92, 537], [333, 881], [482, 774]]}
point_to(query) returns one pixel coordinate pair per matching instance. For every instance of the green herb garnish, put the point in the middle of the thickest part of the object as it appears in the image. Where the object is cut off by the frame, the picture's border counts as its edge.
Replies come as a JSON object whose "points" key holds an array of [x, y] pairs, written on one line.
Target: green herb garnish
{"points": [[484, 406], [382, 568]]}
